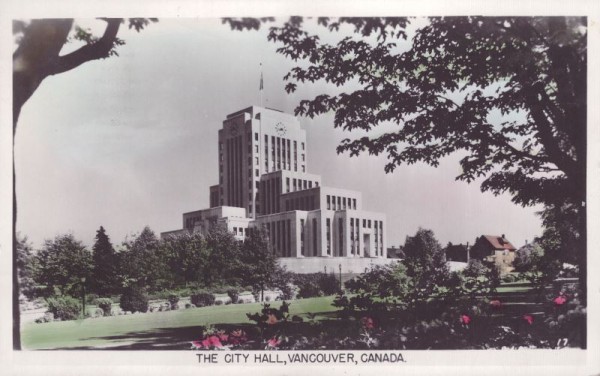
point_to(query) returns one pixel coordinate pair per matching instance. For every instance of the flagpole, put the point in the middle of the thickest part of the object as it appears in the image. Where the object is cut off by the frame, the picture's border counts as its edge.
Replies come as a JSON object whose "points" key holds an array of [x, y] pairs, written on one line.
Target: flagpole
{"points": [[261, 88]]}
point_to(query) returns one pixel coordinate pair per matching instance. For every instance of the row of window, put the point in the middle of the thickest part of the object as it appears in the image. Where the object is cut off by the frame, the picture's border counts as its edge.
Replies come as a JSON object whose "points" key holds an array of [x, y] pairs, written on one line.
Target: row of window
{"points": [[281, 154], [340, 203], [300, 203], [241, 231], [299, 184], [280, 236]]}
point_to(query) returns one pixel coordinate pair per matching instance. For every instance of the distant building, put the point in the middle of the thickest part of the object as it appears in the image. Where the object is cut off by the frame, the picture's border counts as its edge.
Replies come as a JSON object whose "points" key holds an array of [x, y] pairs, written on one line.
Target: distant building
{"points": [[495, 249], [395, 252], [263, 181]]}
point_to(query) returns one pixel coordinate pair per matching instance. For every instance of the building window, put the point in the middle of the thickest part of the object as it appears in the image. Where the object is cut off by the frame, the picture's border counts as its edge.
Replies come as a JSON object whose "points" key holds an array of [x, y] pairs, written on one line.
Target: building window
{"points": [[328, 236], [303, 168], [303, 146], [328, 202], [314, 235], [301, 233], [255, 136], [354, 203], [344, 203], [256, 161], [287, 185], [340, 237], [256, 173]]}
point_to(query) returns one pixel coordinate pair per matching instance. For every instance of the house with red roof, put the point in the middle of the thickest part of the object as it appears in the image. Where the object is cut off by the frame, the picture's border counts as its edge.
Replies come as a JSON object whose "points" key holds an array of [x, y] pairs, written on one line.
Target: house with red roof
{"points": [[495, 249]]}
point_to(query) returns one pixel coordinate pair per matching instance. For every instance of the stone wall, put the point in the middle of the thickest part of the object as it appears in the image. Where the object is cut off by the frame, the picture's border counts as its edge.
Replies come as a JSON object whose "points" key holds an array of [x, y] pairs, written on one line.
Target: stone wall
{"points": [[305, 265]]}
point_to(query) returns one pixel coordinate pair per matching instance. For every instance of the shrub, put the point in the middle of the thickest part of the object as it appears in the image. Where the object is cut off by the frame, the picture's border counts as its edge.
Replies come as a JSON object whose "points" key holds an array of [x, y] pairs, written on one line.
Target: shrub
{"points": [[309, 290], [48, 317], [509, 278], [233, 294], [329, 284], [64, 307], [173, 300], [475, 268], [105, 304], [219, 302], [134, 299], [317, 284], [91, 298], [99, 312], [202, 299]]}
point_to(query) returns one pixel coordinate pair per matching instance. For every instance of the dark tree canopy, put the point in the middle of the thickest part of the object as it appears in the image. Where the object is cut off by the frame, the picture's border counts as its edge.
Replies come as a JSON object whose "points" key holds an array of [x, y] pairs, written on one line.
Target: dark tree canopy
{"points": [[141, 262], [186, 255], [63, 262], [442, 91], [27, 266], [425, 259], [258, 262]]}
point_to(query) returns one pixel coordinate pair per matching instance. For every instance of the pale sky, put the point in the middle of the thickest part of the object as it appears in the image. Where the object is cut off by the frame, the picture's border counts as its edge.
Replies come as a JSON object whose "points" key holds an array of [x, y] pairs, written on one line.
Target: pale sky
{"points": [[132, 141]]}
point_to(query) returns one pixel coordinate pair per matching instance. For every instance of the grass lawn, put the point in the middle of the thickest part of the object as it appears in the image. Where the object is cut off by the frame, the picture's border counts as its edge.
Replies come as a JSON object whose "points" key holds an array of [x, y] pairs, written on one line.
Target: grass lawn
{"points": [[160, 330]]}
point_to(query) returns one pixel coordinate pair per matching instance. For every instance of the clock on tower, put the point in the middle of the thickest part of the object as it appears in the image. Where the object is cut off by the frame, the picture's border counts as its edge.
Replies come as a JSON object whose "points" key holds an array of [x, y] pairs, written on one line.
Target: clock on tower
{"points": [[280, 129]]}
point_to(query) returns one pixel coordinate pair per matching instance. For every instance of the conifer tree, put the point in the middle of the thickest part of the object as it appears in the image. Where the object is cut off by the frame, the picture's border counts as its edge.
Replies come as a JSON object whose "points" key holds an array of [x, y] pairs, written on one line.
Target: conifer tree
{"points": [[104, 280]]}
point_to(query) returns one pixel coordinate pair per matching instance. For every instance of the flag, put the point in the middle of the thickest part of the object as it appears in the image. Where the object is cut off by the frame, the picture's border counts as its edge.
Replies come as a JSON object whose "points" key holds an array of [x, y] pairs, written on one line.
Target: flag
{"points": [[261, 81]]}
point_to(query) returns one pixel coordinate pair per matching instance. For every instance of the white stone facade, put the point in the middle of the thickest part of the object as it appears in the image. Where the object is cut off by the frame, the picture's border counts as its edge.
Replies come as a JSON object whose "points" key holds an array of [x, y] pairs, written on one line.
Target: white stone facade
{"points": [[263, 181]]}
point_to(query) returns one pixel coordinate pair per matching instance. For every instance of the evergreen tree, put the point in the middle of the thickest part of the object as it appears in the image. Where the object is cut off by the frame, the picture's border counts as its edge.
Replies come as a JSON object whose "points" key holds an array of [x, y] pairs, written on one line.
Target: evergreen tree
{"points": [[425, 261], [104, 277]]}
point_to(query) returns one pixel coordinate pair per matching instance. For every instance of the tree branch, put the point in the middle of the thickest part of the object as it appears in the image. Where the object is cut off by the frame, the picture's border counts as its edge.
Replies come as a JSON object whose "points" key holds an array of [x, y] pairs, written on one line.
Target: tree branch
{"points": [[94, 51]]}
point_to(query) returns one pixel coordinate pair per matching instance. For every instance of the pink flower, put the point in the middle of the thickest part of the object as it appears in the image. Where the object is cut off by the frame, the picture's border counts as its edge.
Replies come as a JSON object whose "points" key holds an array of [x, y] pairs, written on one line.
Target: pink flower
{"points": [[273, 342], [367, 322], [528, 318], [465, 320], [214, 341], [222, 336], [206, 344], [271, 319], [559, 300], [496, 304]]}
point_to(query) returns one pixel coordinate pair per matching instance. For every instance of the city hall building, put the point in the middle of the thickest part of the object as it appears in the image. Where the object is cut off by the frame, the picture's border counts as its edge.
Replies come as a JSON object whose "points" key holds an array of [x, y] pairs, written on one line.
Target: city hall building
{"points": [[264, 181]]}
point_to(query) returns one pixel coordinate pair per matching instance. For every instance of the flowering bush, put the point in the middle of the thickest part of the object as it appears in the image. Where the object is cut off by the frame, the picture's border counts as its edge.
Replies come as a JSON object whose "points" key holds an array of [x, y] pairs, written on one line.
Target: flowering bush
{"points": [[219, 340]]}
